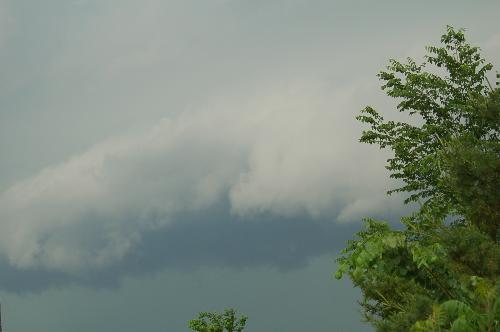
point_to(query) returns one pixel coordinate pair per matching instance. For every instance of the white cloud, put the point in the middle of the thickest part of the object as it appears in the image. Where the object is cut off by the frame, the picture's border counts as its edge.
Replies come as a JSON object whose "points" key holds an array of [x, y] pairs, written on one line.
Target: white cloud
{"points": [[290, 150]]}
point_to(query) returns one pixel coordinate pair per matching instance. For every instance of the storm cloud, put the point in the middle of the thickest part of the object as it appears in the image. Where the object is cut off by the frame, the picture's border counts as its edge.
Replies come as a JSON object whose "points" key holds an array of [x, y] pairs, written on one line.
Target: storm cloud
{"points": [[212, 238], [284, 154], [127, 131]]}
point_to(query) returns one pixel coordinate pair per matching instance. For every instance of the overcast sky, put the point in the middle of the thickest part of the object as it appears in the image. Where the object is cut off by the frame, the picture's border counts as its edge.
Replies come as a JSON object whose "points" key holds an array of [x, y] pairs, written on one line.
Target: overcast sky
{"points": [[161, 158]]}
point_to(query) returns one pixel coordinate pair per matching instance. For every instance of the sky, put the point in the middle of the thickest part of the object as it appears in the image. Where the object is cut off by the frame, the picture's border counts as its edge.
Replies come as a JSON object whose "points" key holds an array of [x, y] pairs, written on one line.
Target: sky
{"points": [[162, 158]]}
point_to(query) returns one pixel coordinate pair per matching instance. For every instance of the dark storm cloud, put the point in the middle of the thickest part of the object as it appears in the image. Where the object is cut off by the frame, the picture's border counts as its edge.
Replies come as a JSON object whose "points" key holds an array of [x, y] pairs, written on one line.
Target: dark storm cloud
{"points": [[208, 238]]}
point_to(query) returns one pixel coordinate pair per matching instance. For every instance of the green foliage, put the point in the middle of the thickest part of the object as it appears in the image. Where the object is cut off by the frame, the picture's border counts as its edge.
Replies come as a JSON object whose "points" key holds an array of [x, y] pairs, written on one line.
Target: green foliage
{"points": [[215, 322], [456, 316], [445, 103], [404, 275], [470, 177], [441, 271]]}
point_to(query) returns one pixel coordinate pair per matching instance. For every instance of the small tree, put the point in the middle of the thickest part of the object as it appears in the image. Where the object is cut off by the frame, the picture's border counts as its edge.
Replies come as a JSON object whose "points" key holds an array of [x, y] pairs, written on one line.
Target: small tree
{"points": [[215, 322]]}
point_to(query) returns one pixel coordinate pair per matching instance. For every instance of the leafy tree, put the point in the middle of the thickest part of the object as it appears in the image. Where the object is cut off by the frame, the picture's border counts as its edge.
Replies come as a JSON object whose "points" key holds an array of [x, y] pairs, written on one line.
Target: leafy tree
{"points": [[441, 272], [447, 107], [215, 322]]}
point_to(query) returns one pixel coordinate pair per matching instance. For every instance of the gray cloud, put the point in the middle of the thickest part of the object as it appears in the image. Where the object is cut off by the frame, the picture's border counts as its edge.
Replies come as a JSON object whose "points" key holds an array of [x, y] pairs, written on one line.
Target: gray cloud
{"points": [[257, 101], [286, 153], [197, 239]]}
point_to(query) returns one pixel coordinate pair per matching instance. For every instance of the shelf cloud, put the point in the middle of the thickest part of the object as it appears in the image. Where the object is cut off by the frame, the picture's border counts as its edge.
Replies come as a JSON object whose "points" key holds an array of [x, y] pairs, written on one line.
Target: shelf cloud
{"points": [[286, 153], [127, 121]]}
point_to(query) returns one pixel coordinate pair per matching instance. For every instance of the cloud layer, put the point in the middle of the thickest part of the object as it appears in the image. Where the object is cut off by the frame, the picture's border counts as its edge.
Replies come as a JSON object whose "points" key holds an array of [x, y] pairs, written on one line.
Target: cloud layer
{"points": [[209, 238], [257, 102], [288, 153]]}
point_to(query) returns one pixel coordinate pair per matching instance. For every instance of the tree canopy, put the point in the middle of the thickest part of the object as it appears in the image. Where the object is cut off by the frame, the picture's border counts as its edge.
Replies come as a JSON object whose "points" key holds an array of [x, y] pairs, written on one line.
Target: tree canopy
{"points": [[216, 322], [441, 271]]}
